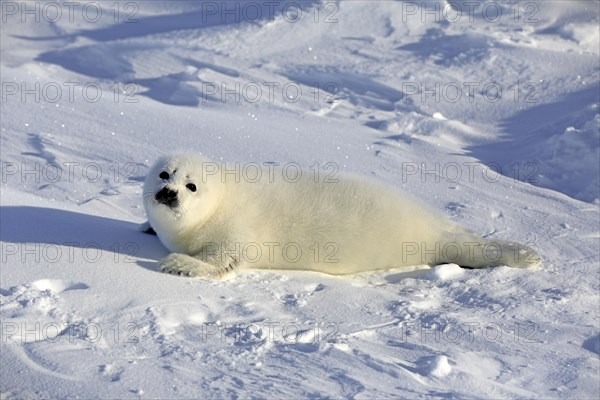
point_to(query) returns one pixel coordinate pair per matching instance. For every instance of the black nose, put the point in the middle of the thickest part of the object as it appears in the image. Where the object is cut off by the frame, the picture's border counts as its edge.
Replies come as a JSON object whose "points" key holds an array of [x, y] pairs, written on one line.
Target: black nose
{"points": [[167, 196]]}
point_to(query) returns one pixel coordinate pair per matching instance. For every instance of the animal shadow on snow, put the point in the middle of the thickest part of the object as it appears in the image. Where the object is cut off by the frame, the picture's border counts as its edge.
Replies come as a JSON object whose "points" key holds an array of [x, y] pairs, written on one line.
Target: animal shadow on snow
{"points": [[27, 227]]}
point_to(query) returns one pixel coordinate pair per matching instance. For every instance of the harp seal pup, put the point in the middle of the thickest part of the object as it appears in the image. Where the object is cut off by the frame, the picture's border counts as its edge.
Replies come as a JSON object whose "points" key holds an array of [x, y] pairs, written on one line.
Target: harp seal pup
{"points": [[216, 218]]}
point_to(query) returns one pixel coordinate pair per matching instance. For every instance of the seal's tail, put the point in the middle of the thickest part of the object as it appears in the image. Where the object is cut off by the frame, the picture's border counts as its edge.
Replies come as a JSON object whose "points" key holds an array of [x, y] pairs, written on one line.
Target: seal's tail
{"points": [[490, 253]]}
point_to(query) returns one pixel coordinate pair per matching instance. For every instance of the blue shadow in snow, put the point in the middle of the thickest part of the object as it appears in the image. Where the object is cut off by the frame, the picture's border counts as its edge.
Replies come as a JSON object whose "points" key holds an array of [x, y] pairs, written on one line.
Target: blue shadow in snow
{"points": [[531, 126], [448, 50], [50, 226], [210, 13], [526, 132]]}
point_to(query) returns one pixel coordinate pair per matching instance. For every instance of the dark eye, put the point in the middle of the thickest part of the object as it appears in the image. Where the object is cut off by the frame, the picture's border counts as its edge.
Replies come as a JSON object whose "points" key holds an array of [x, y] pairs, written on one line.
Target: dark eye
{"points": [[164, 175], [191, 186]]}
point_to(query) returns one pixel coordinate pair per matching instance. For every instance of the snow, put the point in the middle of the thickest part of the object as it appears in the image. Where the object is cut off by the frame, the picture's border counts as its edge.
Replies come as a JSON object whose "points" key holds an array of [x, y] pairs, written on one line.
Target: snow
{"points": [[493, 121], [444, 272], [440, 367]]}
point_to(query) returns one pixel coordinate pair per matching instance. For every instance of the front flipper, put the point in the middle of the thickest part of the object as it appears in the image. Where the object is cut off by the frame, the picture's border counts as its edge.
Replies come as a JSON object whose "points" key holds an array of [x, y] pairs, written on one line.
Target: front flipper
{"points": [[182, 264], [146, 228]]}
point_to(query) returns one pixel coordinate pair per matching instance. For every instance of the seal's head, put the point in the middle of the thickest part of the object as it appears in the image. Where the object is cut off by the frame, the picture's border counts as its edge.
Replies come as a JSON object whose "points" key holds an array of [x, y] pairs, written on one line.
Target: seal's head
{"points": [[181, 191]]}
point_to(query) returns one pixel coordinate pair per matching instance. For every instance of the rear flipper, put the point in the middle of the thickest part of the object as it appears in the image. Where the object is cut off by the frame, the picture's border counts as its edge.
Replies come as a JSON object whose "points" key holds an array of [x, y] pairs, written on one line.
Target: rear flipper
{"points": [[491, 253]]}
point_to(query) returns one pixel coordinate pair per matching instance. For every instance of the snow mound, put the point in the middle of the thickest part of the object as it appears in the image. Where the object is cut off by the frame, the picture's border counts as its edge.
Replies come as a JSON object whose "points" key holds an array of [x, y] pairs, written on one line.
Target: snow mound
{"points": [[568, 158], [439, 367], [444, 272], [57, 285]]}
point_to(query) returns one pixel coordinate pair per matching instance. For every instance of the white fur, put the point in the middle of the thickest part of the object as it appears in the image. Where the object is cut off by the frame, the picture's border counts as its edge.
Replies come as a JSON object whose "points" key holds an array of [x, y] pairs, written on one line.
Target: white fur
{"points": [[340, 228]]}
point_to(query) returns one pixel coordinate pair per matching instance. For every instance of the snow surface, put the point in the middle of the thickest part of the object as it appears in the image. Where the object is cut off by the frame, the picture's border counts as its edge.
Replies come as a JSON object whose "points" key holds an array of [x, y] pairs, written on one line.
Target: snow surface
{"points": [[85, 312]]}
